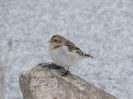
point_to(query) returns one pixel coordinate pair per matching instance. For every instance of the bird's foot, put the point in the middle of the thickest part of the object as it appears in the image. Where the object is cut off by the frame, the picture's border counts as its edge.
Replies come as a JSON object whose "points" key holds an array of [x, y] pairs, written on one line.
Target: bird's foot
{"points": [[66, 73]]}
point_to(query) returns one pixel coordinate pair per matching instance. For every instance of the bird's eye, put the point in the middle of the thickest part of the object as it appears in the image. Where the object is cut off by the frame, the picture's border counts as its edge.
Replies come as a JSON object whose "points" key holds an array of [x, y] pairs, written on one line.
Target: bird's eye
{"points": [[55, 40]]}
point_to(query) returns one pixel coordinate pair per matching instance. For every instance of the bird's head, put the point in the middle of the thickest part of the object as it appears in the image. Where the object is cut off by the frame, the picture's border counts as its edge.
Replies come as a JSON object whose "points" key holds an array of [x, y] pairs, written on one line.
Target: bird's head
{"points": [[57, 41]]}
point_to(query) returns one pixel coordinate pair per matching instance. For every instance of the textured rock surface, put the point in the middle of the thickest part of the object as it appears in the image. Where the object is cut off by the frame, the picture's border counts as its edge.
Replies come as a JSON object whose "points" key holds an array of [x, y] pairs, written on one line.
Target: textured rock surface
{"points": [[40, 82]]}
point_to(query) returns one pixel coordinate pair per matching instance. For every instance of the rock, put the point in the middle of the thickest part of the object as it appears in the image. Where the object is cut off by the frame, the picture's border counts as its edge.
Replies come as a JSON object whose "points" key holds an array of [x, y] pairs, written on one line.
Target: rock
{"points": [[40, 82]]}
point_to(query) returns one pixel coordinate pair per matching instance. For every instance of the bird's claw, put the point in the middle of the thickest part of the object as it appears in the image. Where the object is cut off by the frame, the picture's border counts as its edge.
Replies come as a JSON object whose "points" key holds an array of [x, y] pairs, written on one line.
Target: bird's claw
{"points": [[65, 73]]}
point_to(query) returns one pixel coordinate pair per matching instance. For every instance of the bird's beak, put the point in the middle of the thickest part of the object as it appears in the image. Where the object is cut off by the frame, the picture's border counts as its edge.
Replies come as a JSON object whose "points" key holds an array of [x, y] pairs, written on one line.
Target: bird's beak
{"points": [[50, 41]]}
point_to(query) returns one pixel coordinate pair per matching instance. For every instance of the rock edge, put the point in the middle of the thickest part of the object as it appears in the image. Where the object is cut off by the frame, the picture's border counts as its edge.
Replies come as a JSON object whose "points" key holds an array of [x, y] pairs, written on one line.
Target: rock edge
{"points": [[40, 82]]}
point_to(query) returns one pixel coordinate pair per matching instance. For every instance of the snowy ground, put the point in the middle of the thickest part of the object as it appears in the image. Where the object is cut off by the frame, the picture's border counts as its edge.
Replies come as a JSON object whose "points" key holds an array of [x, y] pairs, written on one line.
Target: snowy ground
{"points": [[102, 28]]}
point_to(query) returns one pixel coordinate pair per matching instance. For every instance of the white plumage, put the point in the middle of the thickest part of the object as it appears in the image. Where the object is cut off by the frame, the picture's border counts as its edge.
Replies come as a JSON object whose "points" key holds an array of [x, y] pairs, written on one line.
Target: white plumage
{"points": [[62, 57], [64, 53]]}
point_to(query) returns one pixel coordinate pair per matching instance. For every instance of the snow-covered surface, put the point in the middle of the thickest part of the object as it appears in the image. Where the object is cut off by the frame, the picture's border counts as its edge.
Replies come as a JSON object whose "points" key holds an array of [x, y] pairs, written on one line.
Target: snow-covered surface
{"points": [[102, 28]]}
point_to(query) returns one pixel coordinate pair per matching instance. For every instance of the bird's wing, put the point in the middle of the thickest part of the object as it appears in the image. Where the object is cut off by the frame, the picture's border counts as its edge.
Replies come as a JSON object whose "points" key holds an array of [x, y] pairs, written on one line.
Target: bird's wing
{"points": [[71, 47], [79, 52]]}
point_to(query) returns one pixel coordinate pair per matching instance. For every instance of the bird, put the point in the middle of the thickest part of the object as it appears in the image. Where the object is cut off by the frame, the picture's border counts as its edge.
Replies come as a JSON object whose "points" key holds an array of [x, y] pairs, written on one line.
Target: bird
{"points": [[64, 53]]}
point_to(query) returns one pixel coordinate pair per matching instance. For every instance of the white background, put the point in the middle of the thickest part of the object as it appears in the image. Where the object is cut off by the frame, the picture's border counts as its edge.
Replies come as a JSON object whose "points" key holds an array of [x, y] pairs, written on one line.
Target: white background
{"points": [[101, 28]]}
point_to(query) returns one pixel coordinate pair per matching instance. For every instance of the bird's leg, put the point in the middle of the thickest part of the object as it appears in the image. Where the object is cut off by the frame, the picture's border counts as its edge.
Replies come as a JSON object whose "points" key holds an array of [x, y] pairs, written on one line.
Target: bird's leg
{"points": [[54, 66], [65, 73]]}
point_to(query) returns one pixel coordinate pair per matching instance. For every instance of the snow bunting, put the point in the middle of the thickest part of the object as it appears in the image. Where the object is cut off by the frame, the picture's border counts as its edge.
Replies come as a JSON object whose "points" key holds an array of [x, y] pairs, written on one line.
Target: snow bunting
{"points": [[64, 53]]}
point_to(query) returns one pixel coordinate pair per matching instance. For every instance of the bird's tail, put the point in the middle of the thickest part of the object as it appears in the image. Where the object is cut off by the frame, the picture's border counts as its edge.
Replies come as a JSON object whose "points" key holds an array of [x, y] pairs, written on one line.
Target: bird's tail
{"points": [[89, 56], [83, 54]]}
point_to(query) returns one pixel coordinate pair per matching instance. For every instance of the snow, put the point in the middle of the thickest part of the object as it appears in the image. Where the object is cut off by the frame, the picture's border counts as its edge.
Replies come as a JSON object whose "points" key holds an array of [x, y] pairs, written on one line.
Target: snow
{"points": [[102, 28]]}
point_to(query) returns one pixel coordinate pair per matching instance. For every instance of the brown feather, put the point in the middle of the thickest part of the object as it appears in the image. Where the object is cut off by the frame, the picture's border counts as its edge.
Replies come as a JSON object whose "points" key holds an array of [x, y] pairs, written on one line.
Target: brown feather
{"points": [[71, 46]]}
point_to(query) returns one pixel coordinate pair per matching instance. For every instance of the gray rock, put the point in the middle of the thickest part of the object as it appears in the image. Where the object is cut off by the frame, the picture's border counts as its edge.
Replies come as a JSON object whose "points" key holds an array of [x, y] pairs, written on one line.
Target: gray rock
{"points": [[40, 82]]}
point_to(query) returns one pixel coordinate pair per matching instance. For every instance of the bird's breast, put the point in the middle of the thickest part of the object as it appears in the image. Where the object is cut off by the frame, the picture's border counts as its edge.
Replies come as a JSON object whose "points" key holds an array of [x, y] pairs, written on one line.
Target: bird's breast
{"points": [[62, 57]]}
